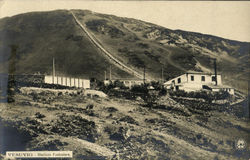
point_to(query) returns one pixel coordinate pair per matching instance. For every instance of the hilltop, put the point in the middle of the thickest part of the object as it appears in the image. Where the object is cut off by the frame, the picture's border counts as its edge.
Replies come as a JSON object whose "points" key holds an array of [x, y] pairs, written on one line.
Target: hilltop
{"points": [[30, 40]]}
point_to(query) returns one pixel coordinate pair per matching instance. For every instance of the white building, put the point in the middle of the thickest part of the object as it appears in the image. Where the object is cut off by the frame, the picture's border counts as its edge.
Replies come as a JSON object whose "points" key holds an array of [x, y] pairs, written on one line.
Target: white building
{"points": [[195, 81], [68, 81]]}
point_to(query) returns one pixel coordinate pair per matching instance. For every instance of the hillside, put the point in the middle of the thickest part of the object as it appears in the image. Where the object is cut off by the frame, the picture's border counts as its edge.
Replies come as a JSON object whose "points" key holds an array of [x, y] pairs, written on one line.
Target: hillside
{"points": [[39, 36], [118, 128]]}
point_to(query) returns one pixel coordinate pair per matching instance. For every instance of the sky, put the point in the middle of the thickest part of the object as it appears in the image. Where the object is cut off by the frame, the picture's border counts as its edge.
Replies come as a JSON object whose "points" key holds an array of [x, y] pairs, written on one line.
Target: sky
{"points": [[227, 19]]}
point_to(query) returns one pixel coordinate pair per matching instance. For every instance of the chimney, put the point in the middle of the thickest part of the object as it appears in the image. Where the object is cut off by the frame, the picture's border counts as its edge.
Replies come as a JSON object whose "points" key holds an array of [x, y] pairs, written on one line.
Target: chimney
{"points": [[215, 71]]}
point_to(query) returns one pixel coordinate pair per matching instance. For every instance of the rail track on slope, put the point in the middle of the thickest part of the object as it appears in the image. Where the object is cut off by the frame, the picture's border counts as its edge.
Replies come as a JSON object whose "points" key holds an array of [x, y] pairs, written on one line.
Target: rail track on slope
{"points": [[117, 62]]}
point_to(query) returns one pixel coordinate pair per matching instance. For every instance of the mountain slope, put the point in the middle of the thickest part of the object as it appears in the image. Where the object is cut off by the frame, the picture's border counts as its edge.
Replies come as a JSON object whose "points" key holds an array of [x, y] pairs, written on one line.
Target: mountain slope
{"points": [[140, 43], [39, 36], [107, 53]]}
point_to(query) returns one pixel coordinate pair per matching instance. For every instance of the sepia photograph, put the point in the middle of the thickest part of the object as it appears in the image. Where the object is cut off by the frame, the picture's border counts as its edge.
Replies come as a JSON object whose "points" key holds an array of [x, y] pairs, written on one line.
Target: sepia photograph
{"points": [[124, 80]]}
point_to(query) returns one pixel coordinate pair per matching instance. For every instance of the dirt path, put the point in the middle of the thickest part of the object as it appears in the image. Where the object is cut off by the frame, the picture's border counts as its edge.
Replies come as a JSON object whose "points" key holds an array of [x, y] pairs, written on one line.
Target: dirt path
{"points": [[99, 150]]}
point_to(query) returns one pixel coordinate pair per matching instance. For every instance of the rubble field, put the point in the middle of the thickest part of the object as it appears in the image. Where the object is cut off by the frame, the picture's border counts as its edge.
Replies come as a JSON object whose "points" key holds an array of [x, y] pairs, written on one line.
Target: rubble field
{"points": [[115, 128]]}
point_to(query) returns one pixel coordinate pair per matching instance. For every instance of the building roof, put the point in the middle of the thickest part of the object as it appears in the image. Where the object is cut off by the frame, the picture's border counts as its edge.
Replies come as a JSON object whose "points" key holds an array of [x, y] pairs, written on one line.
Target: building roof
{"points": [[203, 73], [191, 72]]}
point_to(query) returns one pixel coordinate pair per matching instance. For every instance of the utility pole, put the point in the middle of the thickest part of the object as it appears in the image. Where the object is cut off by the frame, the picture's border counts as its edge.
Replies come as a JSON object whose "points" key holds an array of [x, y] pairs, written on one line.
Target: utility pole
{"points": [[110, 73], [144, 75], [162, 72], [54, 71], [215, 71]]}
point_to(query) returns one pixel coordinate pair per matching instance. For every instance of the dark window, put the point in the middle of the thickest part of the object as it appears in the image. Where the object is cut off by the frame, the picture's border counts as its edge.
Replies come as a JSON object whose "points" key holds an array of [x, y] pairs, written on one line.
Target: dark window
{"points": [[213, 78], [192, 78], [202, 78], [176, 87], [179, 80]]}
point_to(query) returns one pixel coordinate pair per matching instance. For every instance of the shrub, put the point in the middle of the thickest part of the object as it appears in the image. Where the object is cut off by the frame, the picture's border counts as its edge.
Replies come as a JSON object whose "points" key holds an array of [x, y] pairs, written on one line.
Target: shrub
{"points": [[128, 119], [163, 91], [90, 106], [39, 115], [157, 86], [207, 96], [178, 93], [106, 88], [139, 89], [119, 84], [150, 100], [117, 136], [75, 125], [222, 95], [111, 109], [142, 45]]}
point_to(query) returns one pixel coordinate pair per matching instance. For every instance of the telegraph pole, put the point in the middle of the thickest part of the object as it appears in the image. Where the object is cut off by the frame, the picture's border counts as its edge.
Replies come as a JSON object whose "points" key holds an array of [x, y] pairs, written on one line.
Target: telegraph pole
{"points": [[215, 71], [162, 72], [144, 75], [110, 73], [54, 71]]}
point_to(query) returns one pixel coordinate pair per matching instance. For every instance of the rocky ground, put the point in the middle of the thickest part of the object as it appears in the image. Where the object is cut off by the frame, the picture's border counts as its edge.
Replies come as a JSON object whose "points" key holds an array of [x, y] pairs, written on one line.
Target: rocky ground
{"points": [[115, 128]]}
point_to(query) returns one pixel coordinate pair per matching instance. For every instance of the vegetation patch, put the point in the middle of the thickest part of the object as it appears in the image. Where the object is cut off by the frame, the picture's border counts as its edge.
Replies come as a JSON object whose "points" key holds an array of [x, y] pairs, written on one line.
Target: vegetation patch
{"points": [[72, 125], [51, 145], [34, 126], [128, 119], [111, 109], [142, 45], [39, 115], [207, 96], [102, 26]]}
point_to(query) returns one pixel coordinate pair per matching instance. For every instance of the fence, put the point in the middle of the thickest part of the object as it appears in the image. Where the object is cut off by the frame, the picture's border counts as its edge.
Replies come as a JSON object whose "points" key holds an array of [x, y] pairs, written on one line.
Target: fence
{"points": [[68, 81]]}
